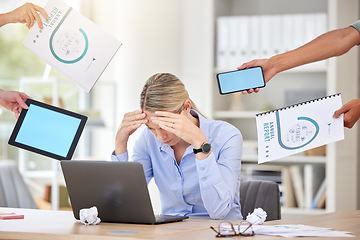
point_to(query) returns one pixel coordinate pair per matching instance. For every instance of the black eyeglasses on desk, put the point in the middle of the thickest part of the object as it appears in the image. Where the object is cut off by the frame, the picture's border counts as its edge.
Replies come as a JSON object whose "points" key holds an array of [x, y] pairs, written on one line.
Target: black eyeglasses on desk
{"points": [[227, 229]]}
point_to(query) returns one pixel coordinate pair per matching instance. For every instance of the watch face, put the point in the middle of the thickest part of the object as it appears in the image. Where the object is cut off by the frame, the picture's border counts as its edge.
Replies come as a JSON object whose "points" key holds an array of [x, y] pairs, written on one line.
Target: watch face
{"points": [[206, 147]]}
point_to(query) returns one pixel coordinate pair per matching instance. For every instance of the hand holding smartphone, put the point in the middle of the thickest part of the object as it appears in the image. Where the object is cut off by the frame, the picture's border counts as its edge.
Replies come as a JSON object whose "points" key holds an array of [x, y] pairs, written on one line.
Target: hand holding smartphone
{"points": [[240, 80]]}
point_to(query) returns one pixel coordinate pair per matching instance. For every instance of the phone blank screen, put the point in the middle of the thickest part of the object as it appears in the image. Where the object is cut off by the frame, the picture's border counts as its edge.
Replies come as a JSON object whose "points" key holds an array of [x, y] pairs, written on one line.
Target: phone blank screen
{"points": [[48, 130], [240, 80]]}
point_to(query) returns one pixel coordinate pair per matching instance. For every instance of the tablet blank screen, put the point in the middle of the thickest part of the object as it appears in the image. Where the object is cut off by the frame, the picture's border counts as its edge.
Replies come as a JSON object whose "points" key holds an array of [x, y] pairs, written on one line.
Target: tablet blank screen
{"points": [[48, 130]]}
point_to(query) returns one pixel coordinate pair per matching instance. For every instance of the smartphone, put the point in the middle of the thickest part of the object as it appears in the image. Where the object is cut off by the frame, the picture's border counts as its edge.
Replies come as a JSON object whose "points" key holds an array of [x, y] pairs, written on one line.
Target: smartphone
{"points": [[240, 80]]}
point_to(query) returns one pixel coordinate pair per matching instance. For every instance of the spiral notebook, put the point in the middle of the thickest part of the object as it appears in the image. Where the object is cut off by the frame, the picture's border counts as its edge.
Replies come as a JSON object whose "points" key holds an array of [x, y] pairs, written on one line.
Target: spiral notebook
{"points": [[299, 127]]}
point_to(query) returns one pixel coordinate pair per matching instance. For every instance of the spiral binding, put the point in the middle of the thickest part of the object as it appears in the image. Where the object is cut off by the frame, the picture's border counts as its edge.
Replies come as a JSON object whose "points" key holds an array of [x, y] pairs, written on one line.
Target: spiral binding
{"points": [[298, 104]]}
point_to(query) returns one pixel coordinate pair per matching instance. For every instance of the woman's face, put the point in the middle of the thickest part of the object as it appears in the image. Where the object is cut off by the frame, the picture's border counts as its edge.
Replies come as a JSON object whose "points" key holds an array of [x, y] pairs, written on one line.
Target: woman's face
{"points": [[162, 135]]}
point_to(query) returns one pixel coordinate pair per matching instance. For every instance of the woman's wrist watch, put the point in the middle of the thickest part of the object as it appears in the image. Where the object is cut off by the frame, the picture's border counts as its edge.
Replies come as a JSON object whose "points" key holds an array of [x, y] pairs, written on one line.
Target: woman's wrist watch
{"points": [[205, 148]]}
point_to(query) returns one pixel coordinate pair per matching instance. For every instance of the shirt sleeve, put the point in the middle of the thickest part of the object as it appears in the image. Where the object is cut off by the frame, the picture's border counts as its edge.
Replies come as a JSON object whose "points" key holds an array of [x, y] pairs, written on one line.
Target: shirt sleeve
{"points": [[219, 177], [356, 25], [140, 154], [123, 157]]}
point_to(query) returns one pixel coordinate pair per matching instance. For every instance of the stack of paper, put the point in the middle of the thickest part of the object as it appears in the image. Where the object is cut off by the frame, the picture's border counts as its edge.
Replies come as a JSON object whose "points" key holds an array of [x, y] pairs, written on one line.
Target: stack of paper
{"points": [[298, 231]]}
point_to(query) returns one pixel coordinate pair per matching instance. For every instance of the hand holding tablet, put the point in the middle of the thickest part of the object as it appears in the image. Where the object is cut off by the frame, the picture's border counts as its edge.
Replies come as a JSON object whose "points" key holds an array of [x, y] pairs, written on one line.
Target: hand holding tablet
{"points": [[48, 130]]}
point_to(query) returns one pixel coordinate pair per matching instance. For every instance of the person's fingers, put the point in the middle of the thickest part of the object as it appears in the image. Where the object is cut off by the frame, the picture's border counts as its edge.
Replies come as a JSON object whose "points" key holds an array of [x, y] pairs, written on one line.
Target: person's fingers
{"points": [[24, 97], [244, 65], [348, 123], [250, 64], [42, 11], [127, 124], [169, 127], [131, 128], [30, 20], [169, 115], [16, 110], [337, 114], [26, 20], [21, 102], [250, 91], [37, 18], [340, 111], [166, 119], [135, 115]]}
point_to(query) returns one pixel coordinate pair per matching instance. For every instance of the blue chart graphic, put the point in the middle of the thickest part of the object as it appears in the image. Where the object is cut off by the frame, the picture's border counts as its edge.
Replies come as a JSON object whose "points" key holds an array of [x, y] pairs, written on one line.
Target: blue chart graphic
{"points": [[301, 133], [69, 40]]}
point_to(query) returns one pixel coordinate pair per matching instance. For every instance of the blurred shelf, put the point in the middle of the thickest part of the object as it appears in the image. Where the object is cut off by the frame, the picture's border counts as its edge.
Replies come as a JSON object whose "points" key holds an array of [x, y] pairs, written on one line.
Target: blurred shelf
{"points": [[236, 114], [309, 68], [95, 122], [302, 211], [38, 174], [295, 159]]}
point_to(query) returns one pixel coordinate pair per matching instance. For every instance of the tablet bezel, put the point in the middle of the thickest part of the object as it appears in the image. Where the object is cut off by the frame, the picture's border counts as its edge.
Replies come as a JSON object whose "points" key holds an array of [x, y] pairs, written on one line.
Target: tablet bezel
{"points": [[74, 143]]}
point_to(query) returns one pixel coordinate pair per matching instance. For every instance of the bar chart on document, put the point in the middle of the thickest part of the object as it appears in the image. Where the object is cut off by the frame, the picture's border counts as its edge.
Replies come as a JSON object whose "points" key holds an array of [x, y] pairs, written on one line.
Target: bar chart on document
{"points": [[72, 44]]}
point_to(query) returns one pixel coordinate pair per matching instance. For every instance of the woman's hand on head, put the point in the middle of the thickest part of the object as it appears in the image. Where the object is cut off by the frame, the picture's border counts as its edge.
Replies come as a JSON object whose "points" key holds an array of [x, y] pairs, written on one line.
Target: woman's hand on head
{"points": [[130, 123], [181, 125]]}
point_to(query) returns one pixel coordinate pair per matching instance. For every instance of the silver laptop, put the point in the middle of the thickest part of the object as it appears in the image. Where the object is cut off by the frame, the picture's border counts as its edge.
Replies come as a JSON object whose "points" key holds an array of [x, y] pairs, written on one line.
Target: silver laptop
{"points": [[117, 189]]}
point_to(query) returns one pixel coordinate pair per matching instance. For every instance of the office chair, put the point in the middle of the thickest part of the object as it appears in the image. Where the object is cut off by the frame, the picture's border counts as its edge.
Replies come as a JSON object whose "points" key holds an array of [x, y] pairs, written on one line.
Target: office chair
{"points": [[13, 190], [260, 194]]}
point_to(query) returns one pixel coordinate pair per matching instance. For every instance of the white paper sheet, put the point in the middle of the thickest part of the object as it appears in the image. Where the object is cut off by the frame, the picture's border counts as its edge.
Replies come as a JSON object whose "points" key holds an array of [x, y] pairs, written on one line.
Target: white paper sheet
{"points": [[298, 231], [299, 127], [295, 230], [72, 44]]}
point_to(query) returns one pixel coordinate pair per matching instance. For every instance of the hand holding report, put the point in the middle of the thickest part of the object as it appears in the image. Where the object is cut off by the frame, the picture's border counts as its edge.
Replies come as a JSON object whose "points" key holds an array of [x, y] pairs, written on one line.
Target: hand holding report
{"points": [[72, 44], [296, 128]]}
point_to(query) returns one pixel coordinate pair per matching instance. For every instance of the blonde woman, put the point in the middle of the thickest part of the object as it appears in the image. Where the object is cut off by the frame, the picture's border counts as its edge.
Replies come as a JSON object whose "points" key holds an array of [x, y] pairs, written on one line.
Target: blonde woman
{"points": [[195, 161]]}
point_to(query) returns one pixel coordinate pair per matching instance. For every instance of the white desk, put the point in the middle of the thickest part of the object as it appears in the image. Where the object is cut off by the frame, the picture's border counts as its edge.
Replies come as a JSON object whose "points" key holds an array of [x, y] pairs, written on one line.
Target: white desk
{"points": [[55, 225]]}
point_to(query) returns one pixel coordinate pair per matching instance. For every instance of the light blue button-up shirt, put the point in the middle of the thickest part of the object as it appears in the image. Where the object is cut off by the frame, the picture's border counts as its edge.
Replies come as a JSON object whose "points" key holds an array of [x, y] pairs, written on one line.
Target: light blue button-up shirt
{"points": [[195, 188]]}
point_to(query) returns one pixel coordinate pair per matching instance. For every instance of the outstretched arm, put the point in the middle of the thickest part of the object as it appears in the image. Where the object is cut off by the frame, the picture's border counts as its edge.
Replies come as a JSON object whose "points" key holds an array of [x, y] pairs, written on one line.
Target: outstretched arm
{"points": [[330, 44]]}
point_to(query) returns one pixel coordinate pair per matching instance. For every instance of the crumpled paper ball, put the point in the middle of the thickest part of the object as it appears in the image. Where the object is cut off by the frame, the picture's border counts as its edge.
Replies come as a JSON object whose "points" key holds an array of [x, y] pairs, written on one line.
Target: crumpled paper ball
{"points": [[89, 216], [258, 217]]}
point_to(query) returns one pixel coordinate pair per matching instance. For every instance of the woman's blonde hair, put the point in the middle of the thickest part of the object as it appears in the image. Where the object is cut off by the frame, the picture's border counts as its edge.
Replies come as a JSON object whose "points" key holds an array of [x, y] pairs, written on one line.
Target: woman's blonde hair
{"points": [[164, 92]]}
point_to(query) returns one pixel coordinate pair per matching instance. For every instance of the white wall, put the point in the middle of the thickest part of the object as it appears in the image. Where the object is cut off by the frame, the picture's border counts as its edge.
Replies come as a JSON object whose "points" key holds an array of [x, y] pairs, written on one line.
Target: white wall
{"points": [[344, 165], [151, 35], [150, 32]]}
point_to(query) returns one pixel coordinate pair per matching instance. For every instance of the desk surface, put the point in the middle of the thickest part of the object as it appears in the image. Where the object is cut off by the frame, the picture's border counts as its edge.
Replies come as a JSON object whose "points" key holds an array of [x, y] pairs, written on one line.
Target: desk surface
{"points": [[48, 224]]}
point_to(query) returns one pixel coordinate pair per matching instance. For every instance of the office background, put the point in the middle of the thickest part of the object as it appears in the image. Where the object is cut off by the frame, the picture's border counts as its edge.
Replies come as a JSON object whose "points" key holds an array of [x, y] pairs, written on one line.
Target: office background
{"points": [[181, 37]]}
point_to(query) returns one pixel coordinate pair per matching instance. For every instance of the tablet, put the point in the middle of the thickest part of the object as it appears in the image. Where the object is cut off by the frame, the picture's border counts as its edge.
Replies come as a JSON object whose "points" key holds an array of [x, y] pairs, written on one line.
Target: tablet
{"points": [[48, 130]]}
